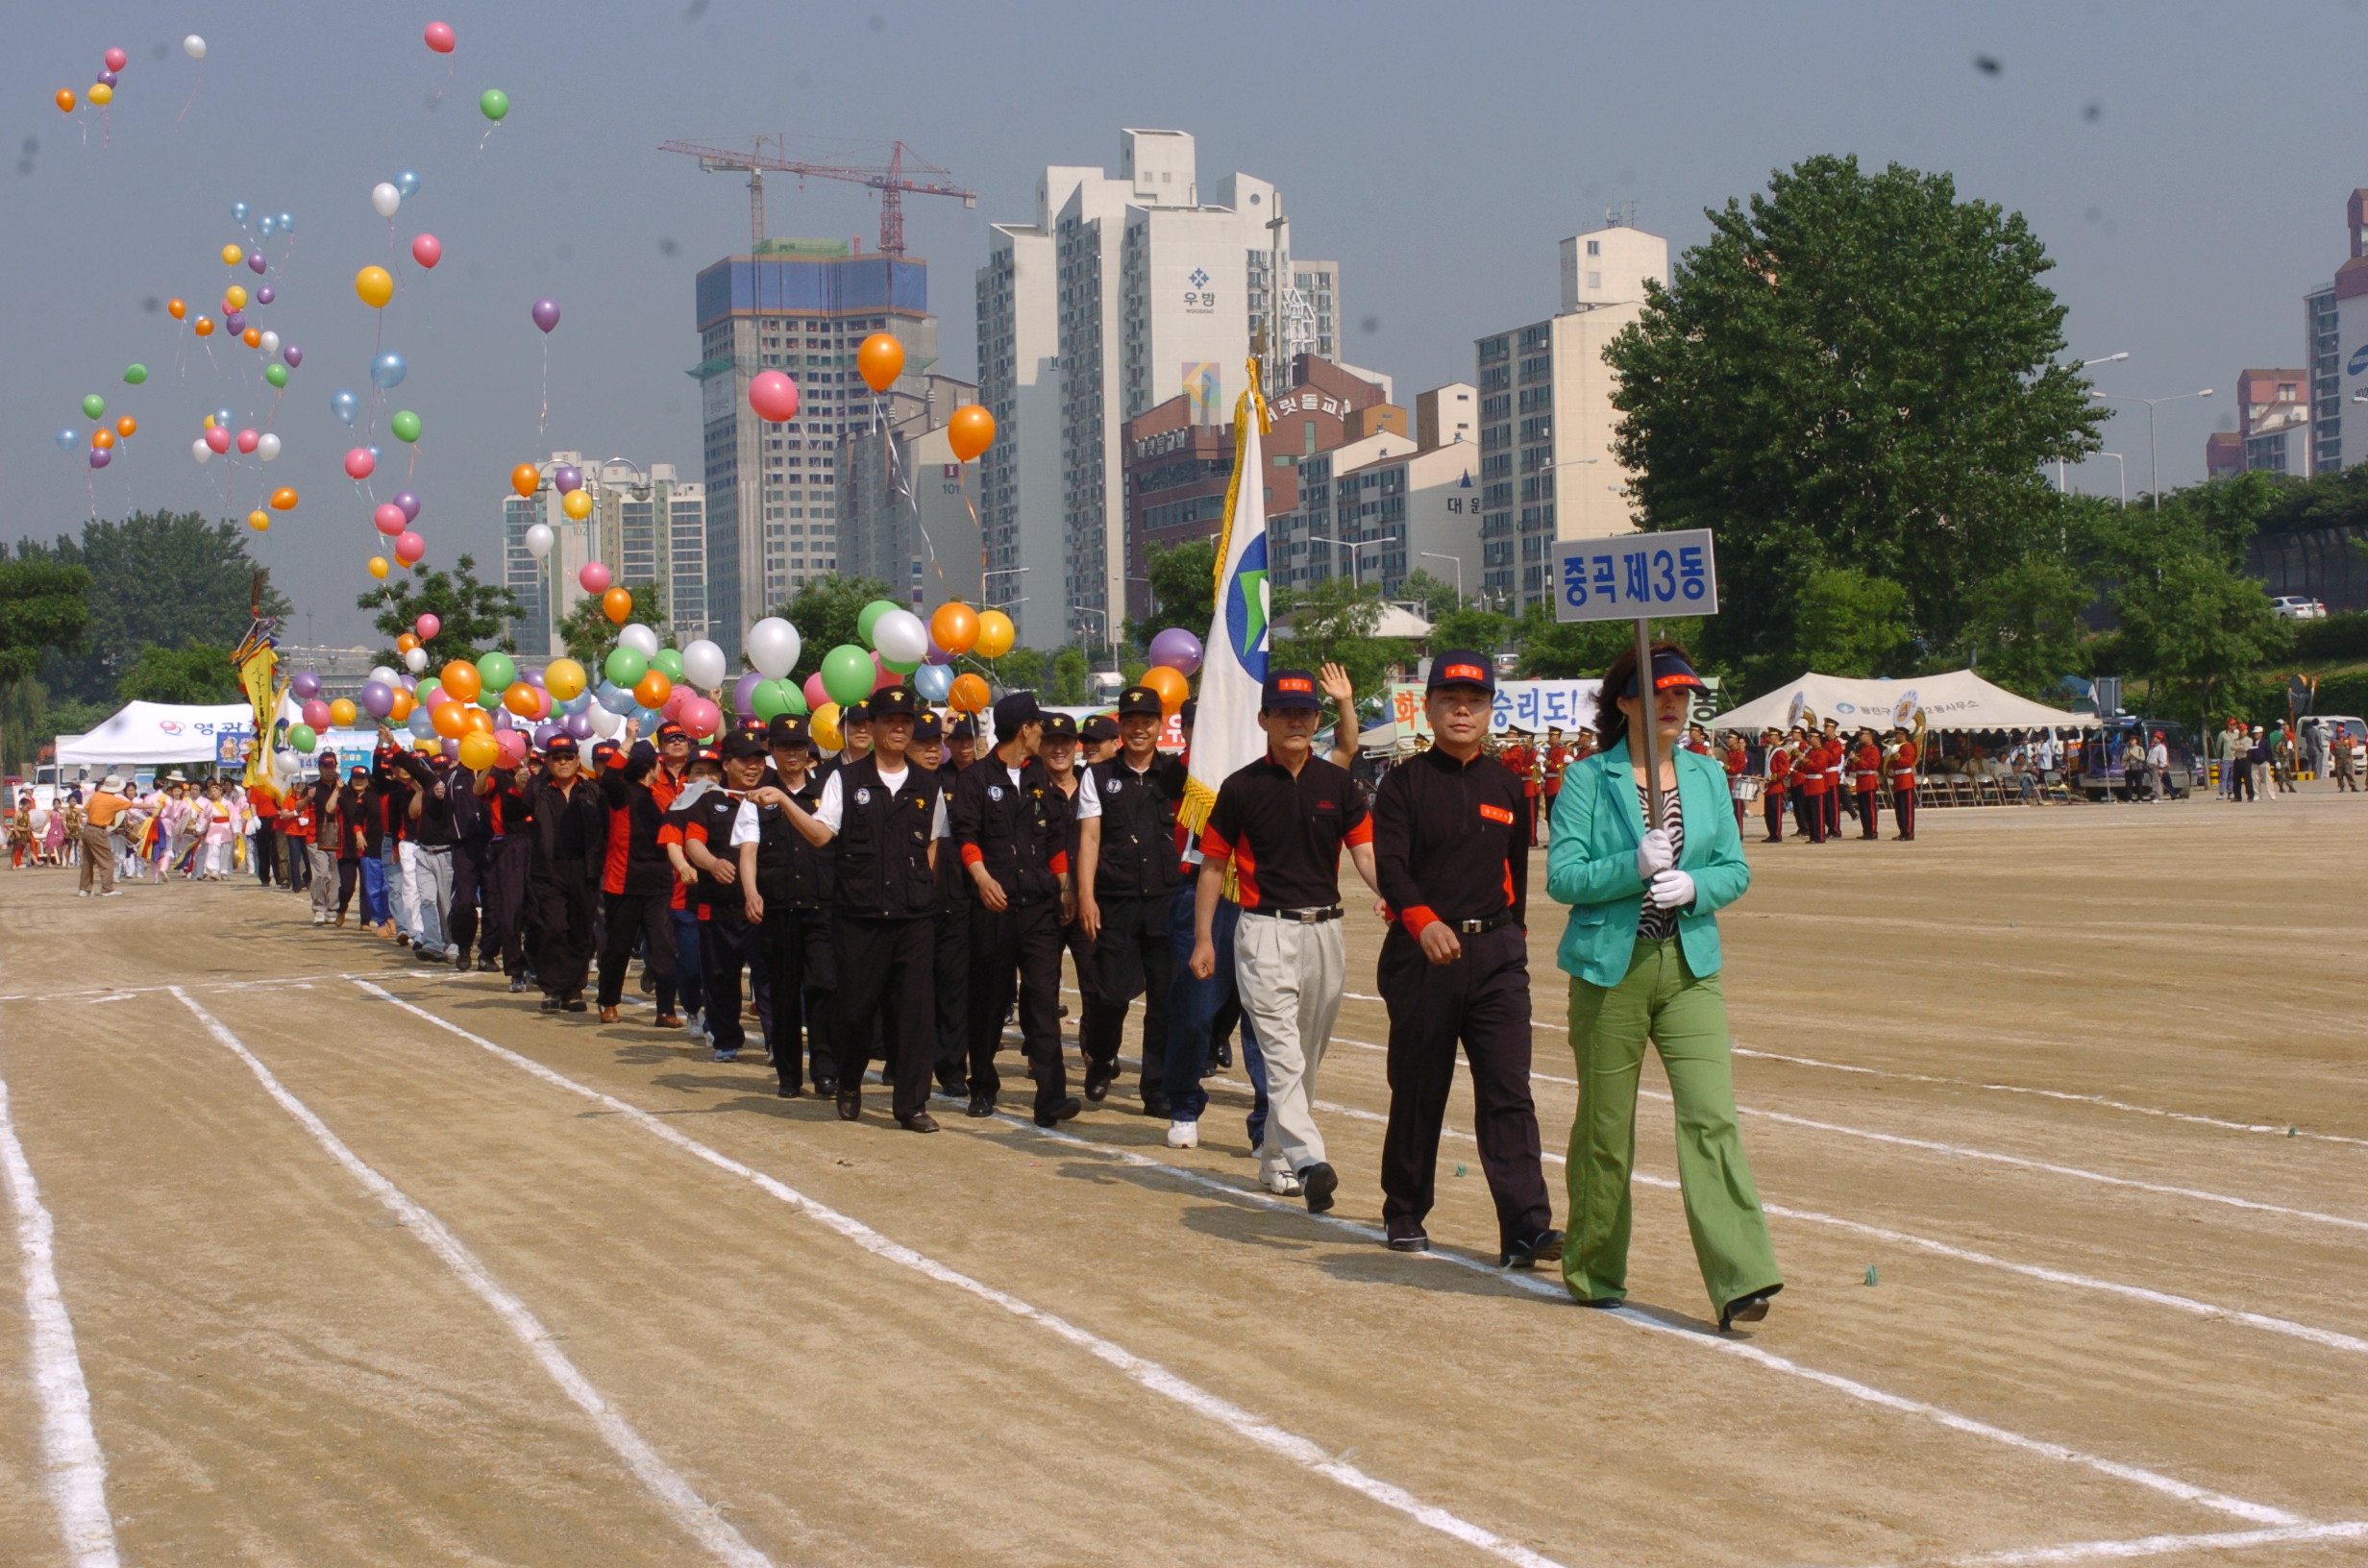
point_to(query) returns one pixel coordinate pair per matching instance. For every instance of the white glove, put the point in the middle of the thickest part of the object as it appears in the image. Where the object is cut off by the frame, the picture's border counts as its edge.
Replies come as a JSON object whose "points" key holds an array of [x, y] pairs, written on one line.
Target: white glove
{"points": [[1672, 889], [1654, 854]]}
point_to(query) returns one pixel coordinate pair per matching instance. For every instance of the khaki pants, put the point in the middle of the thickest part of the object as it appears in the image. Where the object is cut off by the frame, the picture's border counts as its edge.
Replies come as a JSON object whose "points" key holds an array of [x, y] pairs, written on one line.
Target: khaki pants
{"points": [[98, 859], [1290, 976]]}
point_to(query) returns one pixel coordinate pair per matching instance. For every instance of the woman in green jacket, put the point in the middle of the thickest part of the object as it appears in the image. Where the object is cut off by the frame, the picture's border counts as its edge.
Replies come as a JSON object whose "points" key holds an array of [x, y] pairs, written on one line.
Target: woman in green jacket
{"points": [[1642, 948]]}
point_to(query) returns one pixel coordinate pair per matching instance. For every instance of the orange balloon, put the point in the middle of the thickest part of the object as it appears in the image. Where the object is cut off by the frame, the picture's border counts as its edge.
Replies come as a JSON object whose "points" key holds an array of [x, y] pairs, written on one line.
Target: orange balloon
{"points": [[374, 285], [451, 720], [655, 688], [127, 425], [252, 337], [409, 640], [955, 627], [205, 327], [1171, 685], [259, 522], [460, 680], [284, 500], [404, 703], [524, 478], [378, 567], [176, 309], [879, 361], [473, 720], [969, 431], [617, 604], [522, 699], [66, 100], [970, 694], [102, 438], [995, 635]]}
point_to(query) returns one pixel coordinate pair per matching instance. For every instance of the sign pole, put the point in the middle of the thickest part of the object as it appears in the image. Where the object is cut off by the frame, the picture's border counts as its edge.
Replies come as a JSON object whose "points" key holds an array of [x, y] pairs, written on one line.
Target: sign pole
{"points": [[1674, 571], [1648, 702]]}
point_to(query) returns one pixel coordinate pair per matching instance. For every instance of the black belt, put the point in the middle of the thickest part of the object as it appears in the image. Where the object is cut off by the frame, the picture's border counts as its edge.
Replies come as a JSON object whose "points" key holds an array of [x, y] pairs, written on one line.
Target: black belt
{"points": [[1473, 928], [1305, 916]]}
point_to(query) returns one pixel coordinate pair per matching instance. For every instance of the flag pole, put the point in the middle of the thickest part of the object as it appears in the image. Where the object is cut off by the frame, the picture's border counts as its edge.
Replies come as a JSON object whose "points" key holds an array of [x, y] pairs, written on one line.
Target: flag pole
{"points": [[1648, 702]]}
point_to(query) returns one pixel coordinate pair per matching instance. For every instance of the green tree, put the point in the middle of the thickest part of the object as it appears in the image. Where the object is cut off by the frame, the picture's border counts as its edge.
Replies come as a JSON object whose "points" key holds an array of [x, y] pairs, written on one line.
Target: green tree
{"points": [[1855, 371], [1183, 590], [588, 633], [475, 616], [2024, 628], [197, 673], [1851, 624], [1332, 622], [165, 580], [1022, 670], [1068, 672], [44, 607], [1554, 650], [825, 611], [2194, 628]]}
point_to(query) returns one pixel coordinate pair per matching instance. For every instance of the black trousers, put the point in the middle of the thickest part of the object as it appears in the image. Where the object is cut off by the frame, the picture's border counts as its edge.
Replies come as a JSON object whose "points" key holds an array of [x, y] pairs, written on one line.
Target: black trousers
{"points": [[299, 864], [348, 874], [472, 862], [1871, 814], [1772, 813], [506, 903], [800, 974], [885, 974], [267, 843], [1833, 810], [1131, 958], [728, 943], [1018, 945], [1482, 999], [953, 962], [562, 899], [1903, 802], [633, 914]]}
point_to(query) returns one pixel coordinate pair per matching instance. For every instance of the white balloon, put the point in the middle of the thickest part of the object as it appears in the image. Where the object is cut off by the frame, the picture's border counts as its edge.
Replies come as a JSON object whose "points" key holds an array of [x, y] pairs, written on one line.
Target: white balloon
{"points": [[900, 637], [270, 345], [603, 723], [639, 638], [772, 645], [702, 665], [198, 449], [193, 46], [385, 197], [384, 676], [267, 447], [415, 660], [540, 540]]}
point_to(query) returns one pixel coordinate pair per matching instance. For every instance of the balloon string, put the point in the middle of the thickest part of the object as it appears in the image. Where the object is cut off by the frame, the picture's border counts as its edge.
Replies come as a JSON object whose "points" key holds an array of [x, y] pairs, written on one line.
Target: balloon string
{"points": [[193, 91], [544, 418], [107, 129], [438, 96]]}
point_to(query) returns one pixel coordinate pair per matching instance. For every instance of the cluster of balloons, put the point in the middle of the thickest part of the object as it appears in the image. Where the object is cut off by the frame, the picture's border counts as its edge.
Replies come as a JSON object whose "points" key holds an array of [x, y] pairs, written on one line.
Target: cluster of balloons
{"points": [[879, 359], [1175, 656], [103, 90], [387, 196]]}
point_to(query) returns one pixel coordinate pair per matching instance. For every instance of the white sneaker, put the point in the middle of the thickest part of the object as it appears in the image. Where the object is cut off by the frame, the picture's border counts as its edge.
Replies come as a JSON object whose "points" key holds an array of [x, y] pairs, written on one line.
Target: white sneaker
{"points": [[1183, 1135], [1282, 1183], [320, 919]]}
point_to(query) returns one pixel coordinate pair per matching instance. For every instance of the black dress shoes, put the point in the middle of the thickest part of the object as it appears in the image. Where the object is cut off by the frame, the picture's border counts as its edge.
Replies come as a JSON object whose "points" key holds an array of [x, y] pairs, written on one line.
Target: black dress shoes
{"points": [[919, 1121], [1749, 1309], [1052, 1116], [1546, 1246], [981, 1105], [850, 1105], [824, 1088], [1318, 1182], [1410, 1240]]}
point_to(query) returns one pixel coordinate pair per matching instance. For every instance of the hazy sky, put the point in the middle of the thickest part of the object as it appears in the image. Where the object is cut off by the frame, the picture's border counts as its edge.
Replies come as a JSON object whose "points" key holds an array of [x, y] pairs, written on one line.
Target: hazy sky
{"points": [[2186, 168]]}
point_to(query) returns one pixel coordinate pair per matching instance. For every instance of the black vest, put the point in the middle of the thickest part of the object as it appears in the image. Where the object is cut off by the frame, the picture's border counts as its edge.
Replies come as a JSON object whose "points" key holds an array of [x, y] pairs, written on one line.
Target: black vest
{"points": [[1017, 828], [714, 813], [1138, 855], [882, 847], [791, 873]]}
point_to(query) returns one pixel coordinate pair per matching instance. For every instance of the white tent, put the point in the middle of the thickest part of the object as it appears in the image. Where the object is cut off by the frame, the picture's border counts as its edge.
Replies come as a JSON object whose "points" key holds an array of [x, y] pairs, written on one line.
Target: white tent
{"points": [[1959, 700], [145, 732]]}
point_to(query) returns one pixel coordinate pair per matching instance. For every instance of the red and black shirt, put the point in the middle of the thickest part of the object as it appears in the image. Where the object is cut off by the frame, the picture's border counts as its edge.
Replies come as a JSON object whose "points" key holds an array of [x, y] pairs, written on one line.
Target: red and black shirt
{"points": [[1451, 841], [1284, 833]]}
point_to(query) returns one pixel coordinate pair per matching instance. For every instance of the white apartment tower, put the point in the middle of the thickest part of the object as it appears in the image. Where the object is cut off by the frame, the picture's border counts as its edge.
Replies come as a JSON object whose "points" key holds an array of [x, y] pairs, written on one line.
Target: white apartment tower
{"points": [[1122, 294]]}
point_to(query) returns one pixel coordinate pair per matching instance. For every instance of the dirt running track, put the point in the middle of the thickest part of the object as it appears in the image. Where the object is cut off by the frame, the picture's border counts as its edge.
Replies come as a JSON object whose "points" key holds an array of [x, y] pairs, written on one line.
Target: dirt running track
{"points": [[363, 1263]]}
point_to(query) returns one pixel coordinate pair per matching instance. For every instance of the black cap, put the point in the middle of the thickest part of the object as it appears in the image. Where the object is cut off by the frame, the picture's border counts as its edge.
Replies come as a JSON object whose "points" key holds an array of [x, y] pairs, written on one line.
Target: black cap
{"points": [[1287, 689], [358, 773], [963, 730], [1670, 672], [561, 745], [643, 755], [672, 731], [1139, 700], [857, 712], [742, 743], [1060, 726], [1015, 709], [894, 701], [1190, 711], [1100, 727], [785, 730], [1460, 668], [928, 727]]}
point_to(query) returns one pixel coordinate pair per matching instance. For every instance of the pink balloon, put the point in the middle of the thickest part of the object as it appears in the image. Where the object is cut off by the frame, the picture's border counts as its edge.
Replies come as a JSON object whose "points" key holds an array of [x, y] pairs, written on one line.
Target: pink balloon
{"points": [[360, 464], [427, 249], [677, 694], [883, 677], [595, 577], [513, 744], [317, 714], [774, 396], [218, 439], [542, 704], [428, 625], [815, 695], [389, 519], [116, 60], [700, 717], [247, 440], [409, 548], [439, 36]]}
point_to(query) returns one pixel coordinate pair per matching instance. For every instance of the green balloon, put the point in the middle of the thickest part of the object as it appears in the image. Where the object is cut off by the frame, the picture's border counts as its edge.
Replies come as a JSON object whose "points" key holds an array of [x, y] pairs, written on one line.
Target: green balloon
{"points": [[431, 692], [869, 617], [848, 674], [887, 663], [405, 423], [302, 738], [135, 374], [771, 698], [276, 375], [494, 103], [497, 669], [668, 660], [93, 407], [625, 667], [489, 696]]}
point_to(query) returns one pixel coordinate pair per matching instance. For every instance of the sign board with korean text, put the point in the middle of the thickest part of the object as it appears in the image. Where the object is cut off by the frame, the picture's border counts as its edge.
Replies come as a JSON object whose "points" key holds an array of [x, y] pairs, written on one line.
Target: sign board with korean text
{"points": [[1532, 706], [1632, 576]]}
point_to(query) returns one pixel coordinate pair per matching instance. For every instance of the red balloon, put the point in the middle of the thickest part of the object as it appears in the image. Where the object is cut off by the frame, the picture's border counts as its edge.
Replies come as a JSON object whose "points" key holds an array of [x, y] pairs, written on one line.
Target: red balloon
{"points": [[217, 439], [774, 396], [389, 519], [409, 547], [361, 465], [427, 249], [439, 36]]}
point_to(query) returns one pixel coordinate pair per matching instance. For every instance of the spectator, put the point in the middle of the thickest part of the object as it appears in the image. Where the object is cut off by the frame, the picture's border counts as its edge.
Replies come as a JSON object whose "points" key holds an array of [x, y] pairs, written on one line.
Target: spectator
{"points": [[2159, 766]]}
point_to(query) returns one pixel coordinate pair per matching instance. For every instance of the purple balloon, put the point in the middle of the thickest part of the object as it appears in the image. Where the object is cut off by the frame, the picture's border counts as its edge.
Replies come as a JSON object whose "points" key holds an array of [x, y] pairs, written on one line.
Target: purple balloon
{"points": [[452, 751], [233, 322], [564, 479], [255, 262], [534, 679], [411, 684], [504, 718], [1176, 648], [264, 295], [305, 684], [290, 353], [108, 78], [545, 314], [378, 699], [100, 458], [410, 503], [744, 695], [545, 734], [578, 725]]}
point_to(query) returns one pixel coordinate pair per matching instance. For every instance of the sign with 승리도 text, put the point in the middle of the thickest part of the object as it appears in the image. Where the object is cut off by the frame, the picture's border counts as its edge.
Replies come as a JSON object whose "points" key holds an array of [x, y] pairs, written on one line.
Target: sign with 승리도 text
{"points": [[1636, 575]]}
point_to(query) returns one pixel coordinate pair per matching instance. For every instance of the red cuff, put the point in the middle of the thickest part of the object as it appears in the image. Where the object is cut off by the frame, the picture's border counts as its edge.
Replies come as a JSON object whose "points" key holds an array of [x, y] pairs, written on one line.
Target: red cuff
{"points": [[1417, 918], [1362, 833], [971, 855], [1060, 863], [1213, 847]]}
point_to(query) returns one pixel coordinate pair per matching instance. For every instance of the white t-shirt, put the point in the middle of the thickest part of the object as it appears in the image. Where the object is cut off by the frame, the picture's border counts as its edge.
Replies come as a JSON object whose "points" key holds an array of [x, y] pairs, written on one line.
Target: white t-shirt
{"points": [[831, 809], [1086, 804]]}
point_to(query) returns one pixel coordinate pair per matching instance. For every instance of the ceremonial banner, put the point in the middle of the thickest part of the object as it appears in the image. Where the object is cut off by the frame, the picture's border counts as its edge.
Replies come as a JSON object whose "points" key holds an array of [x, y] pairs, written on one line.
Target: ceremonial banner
{"points": [[1233, 670]]}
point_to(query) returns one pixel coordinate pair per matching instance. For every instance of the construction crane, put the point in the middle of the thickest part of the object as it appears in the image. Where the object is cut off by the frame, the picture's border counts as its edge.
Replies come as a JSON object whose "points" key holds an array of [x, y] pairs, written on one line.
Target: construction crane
{"points": [[771, 152]]}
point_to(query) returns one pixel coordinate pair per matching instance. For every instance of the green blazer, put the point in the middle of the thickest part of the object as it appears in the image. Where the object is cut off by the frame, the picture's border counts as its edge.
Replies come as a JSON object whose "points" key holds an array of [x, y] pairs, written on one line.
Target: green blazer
{"points": [[1593, 864]]}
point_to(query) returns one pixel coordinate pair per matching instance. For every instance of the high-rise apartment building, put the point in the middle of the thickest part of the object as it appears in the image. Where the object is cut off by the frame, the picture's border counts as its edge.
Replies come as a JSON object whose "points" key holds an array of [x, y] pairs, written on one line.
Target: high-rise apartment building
{"points": [[637, 516], [2273, 421], [2336, 342], [802, 307], [1546, 420], [1123, 293]]}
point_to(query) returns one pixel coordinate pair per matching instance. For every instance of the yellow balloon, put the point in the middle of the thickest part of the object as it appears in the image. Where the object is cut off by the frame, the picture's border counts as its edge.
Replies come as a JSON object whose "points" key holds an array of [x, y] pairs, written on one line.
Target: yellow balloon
{"points": [[101, 94], [235, 296], [374, 284], [231, 255], [342, 712], [994, 634], [564, 679], [259, 522], [823, 724], [379, 567], [478, 751], [577, 505]]}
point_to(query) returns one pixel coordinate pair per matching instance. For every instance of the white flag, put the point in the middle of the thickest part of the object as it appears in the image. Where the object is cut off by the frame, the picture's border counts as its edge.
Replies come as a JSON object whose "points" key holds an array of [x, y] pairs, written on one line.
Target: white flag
{"points": [[1233, 667]]}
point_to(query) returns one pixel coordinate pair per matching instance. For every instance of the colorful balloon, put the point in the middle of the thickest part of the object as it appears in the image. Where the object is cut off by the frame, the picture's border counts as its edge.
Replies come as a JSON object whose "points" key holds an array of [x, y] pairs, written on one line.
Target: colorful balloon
{"points": [[409, 547], [389, 519], [969, 431], [100, 456], [768, 699], [197, 448], [406, 183], [1172, 686], [375, 285], [460, 680], [342, 712], [361, 465], [404, 425], [577, 504], [546, 312], [101, 94], [493, 104], [427, 249], [640, 638], [232, 255], [384, 197], [203, 328], [388, 371], [345, 405], [847, 674], [653, 689], [217, 439], [996, 633], [969, 695], [93, 406], [439, 37], [900, 638], [249, 440], [291, 355], [594, 579], [410, 503], [380, 566], [624, 668], [774, 396], [933, 681], [565, 478], [302, 737], [284, 500], [1177, 649], [305, 685], [702, 665], [524, 478], [176, 309], [773, 646], [69, 440], [102, 439], [316, 712], [193, 46], [540, 539], [880, 360], [616, 605], [564, 679], [480, 751], [127, 425], [133, 375], [233, 298], [497, 669], [65, 101], [427, 627]]}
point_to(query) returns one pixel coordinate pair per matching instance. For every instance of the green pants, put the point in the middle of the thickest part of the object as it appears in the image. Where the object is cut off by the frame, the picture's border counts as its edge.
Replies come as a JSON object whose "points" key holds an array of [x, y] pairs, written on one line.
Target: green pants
{"points": [[1686, 1015]]}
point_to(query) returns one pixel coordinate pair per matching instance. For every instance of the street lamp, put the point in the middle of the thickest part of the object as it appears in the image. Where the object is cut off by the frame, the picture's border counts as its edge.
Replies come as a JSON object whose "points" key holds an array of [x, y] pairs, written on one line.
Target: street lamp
{"points": [[1088, 609], [2062, 481], [2153, 480], [1356, 568], [2125, 475], [1434, 555]]}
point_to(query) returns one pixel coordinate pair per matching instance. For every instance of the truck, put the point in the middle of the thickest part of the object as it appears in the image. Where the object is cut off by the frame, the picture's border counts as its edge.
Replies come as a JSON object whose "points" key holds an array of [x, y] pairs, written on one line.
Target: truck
{"points": [[2100, 776]]}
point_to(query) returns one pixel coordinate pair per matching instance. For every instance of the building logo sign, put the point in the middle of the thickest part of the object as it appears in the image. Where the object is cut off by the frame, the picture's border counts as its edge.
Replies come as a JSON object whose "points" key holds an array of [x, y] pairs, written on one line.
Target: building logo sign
{"points": [[1199, 279], [1200, 299], [2358, 362], [1204, 384]]}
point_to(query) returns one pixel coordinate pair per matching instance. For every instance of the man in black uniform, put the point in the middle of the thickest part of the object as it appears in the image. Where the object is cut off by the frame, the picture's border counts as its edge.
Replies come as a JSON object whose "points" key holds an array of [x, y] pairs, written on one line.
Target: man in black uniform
{"points": [[951, 1064], [789, 889], [1011, 827], [884, 818], [1450, 851], [961, 748], [1099, 736], [1124, 889], [570, 828], [729, 940], [640, 904]]}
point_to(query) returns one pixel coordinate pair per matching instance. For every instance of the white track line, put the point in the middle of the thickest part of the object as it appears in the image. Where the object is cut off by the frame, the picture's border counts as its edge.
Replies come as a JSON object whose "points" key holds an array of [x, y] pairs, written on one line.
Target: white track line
{"points": [[2158, 1546], [697, 1517], [77, 1475], [1960, 1151], [2326, 1337], [1143, 1371]]}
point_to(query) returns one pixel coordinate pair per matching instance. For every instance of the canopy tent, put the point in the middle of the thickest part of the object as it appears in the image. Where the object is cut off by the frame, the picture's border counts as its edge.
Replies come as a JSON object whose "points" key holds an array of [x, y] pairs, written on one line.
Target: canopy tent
{"points": [[1959, 700], [144, 732]]}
